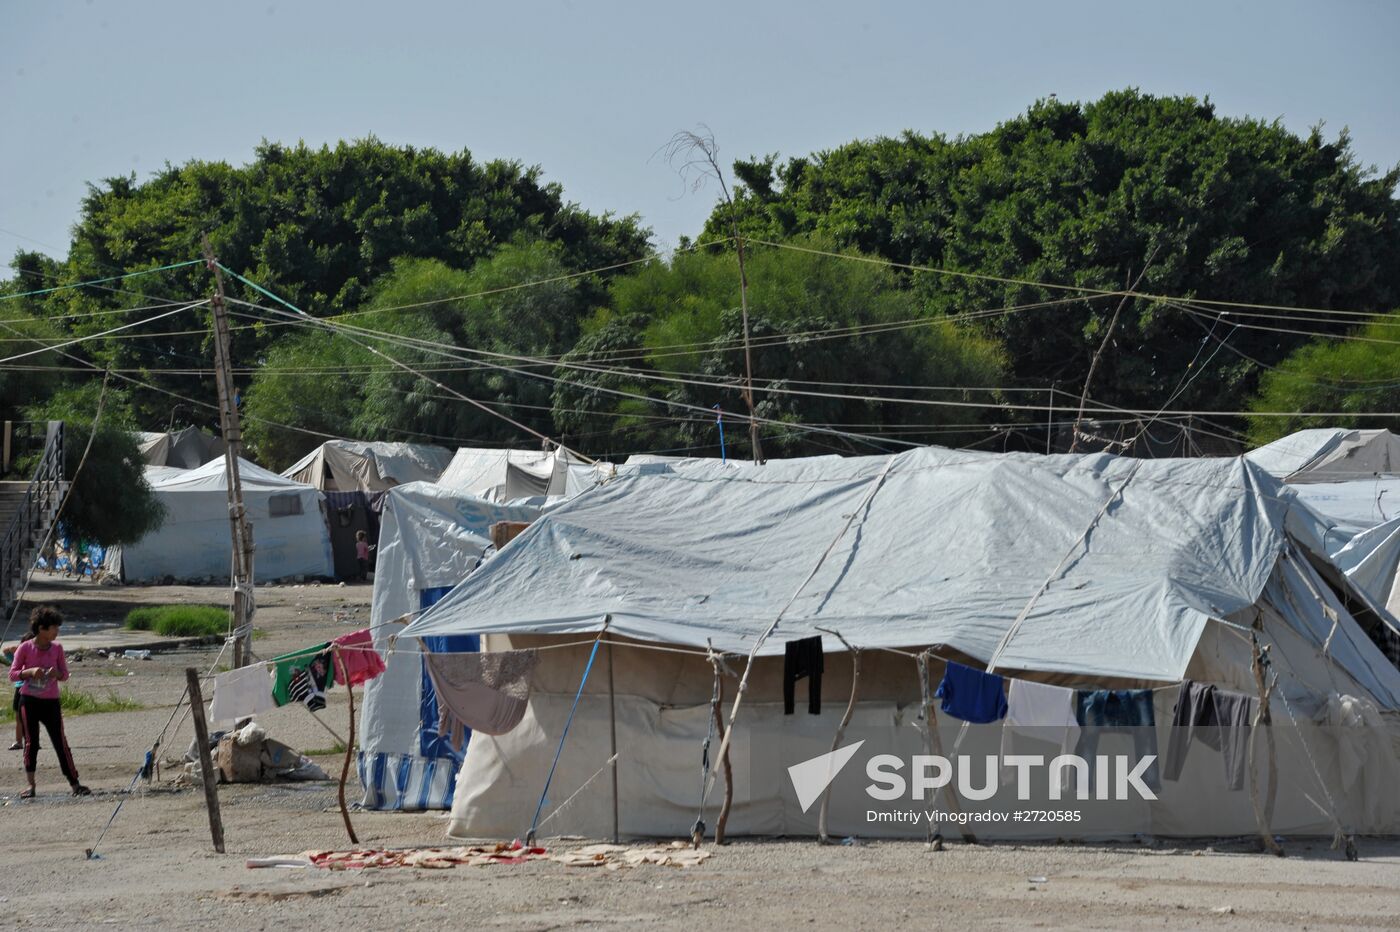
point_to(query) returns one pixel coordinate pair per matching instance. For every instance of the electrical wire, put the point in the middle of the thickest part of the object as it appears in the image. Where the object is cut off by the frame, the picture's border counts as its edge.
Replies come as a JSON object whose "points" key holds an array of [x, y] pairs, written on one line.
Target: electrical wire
{"points": [[95, 336], [448, 351], [99, 281], [1053, 286]]}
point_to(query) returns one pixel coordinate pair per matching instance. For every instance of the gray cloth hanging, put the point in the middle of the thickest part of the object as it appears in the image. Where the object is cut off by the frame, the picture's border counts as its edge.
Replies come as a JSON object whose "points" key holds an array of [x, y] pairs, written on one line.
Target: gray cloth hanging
{"points": [[1220, 720], [485, 692]]}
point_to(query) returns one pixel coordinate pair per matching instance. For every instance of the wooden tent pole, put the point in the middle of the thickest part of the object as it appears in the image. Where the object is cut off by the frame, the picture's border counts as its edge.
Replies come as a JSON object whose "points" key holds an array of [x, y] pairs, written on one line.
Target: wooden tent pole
{"points": [[933, 743], [725, 806], [1263, 811], [349, 745], [206, 763], [822, 836], [612, 731]]}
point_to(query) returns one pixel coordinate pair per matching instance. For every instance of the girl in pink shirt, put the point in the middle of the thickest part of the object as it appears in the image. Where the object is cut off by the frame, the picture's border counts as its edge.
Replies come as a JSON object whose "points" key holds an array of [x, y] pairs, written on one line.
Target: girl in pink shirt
{"points": [[39, 666]]}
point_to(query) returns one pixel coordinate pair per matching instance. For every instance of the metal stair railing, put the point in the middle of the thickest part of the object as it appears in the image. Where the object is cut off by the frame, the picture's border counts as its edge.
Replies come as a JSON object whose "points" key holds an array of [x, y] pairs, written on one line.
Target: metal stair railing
{"points": [[30, 523]]}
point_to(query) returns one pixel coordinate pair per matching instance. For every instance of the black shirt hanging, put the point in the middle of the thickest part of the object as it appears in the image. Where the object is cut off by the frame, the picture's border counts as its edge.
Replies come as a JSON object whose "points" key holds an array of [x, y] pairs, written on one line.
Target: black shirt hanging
{"points": [[803, 658]]}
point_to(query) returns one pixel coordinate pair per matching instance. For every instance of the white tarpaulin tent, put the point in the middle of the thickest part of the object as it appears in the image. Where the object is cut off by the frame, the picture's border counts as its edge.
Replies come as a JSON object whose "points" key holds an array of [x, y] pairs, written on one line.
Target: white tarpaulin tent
{"points": [[1351, 480], [509, 475], [289, 527], [430, 538], [359, 466], [1071, 569], [1330, 454], [189, 448]]}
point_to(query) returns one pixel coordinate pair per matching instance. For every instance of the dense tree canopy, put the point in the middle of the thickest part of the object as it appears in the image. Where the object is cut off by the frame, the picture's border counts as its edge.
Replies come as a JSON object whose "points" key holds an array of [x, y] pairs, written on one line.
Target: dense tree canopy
{"points": [[1342, 378], [469, 326], [1094, 195], [315, 226], [820, 325]]}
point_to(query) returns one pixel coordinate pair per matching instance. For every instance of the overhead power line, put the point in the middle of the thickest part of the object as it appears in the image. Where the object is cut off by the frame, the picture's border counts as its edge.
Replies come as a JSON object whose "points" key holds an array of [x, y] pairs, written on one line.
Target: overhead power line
{"points": [[452, 352], [100, 281]]}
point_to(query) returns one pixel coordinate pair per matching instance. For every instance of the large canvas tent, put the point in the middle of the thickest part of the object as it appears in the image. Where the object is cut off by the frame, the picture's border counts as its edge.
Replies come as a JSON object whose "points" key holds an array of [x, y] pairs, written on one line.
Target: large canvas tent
{"points": [[431, 538], [193, 542], [1078, 570], [354, 476]]}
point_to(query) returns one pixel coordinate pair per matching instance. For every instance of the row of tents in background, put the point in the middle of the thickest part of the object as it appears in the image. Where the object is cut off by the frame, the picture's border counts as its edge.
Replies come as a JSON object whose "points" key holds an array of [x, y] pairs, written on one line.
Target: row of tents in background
{"points": [[307, 518]]}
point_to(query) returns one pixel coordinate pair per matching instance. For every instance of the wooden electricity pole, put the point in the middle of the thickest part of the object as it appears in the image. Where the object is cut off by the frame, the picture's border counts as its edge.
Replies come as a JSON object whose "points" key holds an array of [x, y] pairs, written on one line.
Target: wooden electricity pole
{"points": [[240, 529], [744, 308]]}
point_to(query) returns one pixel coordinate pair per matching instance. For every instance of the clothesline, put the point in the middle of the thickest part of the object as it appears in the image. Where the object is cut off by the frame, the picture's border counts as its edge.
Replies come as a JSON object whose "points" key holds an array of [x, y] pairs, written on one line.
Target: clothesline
{"points": [[391, 651]]}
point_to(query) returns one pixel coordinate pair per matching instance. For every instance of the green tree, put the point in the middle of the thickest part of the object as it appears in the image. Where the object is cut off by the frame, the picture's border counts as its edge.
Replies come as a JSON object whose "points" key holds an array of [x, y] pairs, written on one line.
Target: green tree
{"points": [[675, 335], [23, 332], [1091, 195], [481, 323], [1345, 377], [316, 226], [110, 502]]}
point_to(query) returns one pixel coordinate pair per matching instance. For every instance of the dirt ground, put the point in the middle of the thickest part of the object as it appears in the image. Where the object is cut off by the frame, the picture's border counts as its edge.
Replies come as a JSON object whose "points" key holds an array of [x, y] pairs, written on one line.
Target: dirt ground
{"points": [[157, 868]]}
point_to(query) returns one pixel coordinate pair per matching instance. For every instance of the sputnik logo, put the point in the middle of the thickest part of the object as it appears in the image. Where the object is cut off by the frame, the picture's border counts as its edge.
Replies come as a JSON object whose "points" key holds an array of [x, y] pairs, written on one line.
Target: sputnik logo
{"points": [[811, 777]]}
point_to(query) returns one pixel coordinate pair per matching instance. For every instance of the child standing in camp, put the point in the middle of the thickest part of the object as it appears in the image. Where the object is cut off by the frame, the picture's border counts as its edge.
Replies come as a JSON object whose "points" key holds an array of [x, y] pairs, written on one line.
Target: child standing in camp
{"points": [[39, 666], [362, 553]]}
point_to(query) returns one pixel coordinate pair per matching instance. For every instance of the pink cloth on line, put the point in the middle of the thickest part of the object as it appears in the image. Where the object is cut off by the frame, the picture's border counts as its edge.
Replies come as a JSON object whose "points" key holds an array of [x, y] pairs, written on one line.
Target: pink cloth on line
{"points": [[358, 661]]}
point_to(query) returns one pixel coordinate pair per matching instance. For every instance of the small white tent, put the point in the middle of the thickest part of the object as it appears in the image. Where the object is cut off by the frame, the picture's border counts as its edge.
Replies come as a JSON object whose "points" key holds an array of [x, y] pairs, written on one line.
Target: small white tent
{"points": [[430, 539], [289, 527], [188, 448], [361, 466], [510, 475], [1090, 571], [1351, 480]]}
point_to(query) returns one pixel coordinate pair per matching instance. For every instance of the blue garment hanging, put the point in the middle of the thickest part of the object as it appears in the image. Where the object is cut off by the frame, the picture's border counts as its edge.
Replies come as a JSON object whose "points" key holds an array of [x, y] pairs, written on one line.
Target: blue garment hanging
{"points": [[972, 695]]}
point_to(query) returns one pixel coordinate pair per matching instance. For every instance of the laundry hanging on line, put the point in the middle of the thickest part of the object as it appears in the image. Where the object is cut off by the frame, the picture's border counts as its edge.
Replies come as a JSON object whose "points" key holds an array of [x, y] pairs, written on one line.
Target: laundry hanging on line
{"points": [[1101, 711], [241, 693], [1220, 720], [1040, 711], [486, 692], [972, 695], [285, 670], [803, 659], [309, 684], [357, 661]]}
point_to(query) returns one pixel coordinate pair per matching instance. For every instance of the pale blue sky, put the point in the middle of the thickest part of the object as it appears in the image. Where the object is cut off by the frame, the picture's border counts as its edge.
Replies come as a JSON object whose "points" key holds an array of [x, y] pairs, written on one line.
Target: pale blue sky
{"points": [[590, 90]]}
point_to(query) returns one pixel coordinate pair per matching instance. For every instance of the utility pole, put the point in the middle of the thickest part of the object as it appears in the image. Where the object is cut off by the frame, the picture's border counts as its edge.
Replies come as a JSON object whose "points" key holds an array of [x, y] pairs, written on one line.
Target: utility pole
{"points": [[744, 308], [683, 148], [240, 529]]}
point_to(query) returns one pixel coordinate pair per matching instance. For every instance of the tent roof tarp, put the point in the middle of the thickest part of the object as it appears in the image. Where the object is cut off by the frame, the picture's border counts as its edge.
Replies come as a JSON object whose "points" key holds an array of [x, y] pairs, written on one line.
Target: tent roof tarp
{"points": [[188, 448], [213, 477], [950, 549], [508, 475], [1330, 454], [362, 466]]}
